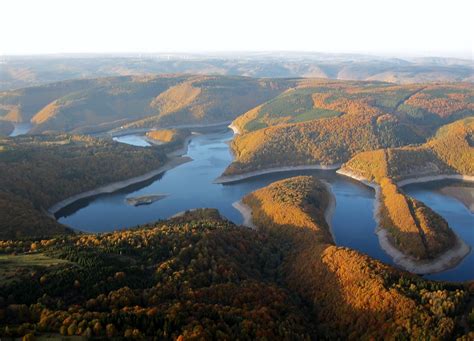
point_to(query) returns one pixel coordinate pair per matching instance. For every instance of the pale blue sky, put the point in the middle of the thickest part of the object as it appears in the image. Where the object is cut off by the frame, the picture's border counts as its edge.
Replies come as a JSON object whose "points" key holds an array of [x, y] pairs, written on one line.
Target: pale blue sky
{"points": [[400, 28]]}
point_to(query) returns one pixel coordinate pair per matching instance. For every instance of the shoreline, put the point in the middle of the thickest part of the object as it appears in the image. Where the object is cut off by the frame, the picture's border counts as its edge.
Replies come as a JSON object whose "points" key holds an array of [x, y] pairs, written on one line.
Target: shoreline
{"points": [[442, 262], [223, 179], [330, 210], [234, 128], [176, 159], [409, 181], [246, 213], [115, 186], [120, 132]]}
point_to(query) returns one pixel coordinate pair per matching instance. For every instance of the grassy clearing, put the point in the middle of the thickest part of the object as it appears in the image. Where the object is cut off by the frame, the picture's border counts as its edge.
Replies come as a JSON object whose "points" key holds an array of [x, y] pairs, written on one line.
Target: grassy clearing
{"points": [[314, 114], [13, 265]]}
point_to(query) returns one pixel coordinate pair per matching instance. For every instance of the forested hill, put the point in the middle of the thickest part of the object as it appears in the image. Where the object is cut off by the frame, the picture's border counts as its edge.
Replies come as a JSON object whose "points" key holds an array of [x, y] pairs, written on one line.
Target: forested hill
{"points": [[328, 122], [97, 105], [201, 277], [352, 295], [38, 171], [412, 227]]}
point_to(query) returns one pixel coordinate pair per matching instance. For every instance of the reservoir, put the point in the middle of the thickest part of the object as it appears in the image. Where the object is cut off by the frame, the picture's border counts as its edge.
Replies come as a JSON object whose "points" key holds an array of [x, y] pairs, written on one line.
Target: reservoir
{"points": [[21, 129], [190, 185]]}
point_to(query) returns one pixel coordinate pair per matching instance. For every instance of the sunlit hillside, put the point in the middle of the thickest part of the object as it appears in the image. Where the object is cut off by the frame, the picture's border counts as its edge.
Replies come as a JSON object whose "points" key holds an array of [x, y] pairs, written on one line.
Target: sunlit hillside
{"points": [[450, 151], [352, 295], [360, 117], [414, 228], [97, 105]]}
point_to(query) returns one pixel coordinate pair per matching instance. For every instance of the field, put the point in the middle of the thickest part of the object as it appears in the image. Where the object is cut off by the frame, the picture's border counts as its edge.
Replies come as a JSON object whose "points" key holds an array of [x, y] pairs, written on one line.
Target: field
{"points": [[14, 266]]}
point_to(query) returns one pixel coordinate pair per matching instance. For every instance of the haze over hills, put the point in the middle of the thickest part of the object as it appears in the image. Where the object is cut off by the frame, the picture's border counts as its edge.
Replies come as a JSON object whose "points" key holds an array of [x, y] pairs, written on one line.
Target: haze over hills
{"points": [[96, 105], [24, 71]]}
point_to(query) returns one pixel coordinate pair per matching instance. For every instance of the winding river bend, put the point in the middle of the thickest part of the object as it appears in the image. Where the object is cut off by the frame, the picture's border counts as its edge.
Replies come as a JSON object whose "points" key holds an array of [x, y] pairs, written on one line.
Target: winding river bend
{"points": [[190, 185]]}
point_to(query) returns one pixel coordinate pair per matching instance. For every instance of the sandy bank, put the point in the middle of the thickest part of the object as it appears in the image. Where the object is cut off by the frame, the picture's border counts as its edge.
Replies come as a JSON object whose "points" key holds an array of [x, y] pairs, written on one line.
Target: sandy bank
{"points": [[328, 214], [445, 261], [234, 128], [442, 262], [119, 184], [127, 131], [246, 212], [176, 160], [238, 177]]}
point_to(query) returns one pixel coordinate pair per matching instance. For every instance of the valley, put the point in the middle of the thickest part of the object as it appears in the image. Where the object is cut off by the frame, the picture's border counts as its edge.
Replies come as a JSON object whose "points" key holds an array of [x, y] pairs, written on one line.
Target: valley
{"points": [[323, 172], [194, 185]]}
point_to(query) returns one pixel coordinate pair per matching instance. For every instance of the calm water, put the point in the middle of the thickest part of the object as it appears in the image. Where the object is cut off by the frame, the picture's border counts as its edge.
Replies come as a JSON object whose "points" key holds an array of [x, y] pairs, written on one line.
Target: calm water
{"points": [[21, 129], [459, 218], [134, 140], [191, 185]]}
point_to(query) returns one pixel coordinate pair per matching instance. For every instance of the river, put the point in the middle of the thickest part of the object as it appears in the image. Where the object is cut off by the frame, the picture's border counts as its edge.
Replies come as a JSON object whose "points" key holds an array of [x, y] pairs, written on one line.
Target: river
{"points": [[190, 185], [21, 129]]}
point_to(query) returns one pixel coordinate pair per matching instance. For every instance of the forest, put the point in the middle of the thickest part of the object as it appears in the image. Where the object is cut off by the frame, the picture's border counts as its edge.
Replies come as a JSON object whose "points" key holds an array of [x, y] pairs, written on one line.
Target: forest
{"points": [[148, 101], [352, 296], [41, 170], [199, 276], [193, 277], [414, 228], [449, 151], [368, 116]]}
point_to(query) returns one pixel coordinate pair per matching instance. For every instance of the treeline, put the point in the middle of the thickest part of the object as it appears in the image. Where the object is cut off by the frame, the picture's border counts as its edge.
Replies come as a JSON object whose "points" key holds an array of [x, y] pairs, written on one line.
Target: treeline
{"points": [[352, 296], [39, 171]]}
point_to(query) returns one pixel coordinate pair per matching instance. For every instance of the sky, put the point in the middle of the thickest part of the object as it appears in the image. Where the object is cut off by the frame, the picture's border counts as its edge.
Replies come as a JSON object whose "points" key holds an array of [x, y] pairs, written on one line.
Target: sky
{"points": [[388, 27]]}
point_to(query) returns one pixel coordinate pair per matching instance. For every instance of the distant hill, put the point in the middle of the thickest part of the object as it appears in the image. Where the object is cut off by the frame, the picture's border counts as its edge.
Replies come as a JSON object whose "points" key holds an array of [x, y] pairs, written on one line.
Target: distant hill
{"points": [[450, 151], [18, 72], [96, 105], [328, 122]]}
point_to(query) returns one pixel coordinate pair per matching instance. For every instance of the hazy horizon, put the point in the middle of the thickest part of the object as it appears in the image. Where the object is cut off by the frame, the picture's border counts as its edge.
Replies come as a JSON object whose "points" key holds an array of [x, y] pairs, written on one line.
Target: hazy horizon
{"points": [[390, 29], [228, 54]]}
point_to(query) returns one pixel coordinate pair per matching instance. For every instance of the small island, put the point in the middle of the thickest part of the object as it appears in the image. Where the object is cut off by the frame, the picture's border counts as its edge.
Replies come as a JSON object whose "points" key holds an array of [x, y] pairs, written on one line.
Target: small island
{"points": [[145, 199]]}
